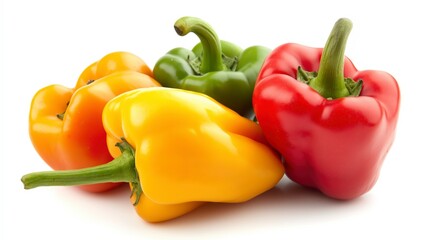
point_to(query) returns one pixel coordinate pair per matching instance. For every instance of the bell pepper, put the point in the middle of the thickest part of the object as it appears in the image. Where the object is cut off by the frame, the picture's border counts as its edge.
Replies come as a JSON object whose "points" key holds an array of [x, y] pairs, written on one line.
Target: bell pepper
{"points": [[207, 153], [214, 67], [332, 124], [65, 124], [110, 63]]}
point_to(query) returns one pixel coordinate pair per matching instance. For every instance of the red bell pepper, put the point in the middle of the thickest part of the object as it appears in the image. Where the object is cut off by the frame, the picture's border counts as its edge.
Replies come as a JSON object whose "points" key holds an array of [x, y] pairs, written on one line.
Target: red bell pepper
{"points": [[333, 132]]}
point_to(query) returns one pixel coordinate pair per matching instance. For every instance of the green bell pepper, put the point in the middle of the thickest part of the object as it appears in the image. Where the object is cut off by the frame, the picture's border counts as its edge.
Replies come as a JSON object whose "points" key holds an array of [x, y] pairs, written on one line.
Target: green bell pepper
{"points": [[214, 67]]}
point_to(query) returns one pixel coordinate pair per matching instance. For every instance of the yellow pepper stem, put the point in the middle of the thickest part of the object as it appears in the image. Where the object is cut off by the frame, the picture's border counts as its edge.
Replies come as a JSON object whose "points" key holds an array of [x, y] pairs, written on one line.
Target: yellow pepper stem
{"points": [[120, 169]]}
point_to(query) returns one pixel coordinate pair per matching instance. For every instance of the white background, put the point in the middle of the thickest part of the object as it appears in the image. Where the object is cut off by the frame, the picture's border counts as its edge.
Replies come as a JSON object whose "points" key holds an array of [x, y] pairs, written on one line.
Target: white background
{"points": [[46, 42]]}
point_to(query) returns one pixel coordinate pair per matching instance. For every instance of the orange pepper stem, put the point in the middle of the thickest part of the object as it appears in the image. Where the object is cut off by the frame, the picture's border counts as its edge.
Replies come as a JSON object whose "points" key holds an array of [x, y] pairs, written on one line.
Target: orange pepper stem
{"points": [[120, 169]]}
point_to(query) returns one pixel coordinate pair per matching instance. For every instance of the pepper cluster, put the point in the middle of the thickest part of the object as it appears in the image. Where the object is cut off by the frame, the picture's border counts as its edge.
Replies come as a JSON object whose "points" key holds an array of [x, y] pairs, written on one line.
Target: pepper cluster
{"points": [[217, 123]]}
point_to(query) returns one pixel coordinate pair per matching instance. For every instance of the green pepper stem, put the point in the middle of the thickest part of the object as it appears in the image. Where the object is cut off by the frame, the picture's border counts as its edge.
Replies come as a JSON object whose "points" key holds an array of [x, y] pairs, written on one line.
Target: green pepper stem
{"points": [[330, 78], [121, 169], [212, 50]]}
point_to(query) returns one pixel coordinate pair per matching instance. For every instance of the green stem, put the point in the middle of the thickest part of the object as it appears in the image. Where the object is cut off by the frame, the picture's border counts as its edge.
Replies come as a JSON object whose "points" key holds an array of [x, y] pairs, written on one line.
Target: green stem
{"points": [[121, 169], [330, 78], [212, 49]]}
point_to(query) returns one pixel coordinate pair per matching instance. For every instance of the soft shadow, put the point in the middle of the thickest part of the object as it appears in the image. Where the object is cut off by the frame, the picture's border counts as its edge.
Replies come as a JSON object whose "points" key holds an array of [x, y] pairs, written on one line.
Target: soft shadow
{"points": [[288, 202]]}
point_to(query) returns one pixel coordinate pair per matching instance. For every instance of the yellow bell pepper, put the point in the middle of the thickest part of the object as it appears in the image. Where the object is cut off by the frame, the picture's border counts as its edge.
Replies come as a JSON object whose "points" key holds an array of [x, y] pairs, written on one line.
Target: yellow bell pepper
{"points": [[178, 149]]}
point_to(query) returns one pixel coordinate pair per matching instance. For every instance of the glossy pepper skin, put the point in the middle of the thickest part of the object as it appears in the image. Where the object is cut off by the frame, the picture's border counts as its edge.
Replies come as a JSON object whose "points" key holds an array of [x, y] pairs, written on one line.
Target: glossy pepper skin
{"points": [[208, 153], [329, 141], [65, 124], [214, 67]]}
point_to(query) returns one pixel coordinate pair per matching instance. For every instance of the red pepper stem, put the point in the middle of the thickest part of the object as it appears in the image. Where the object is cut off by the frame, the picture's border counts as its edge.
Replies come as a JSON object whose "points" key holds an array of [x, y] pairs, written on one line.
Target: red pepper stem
{"points": [[212, 50], [121, 169], [330, 78]]}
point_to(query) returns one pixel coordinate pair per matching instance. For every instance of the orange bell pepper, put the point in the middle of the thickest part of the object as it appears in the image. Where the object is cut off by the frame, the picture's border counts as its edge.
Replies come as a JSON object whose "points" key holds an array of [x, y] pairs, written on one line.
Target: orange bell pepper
{"points": [[65, 124]]}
